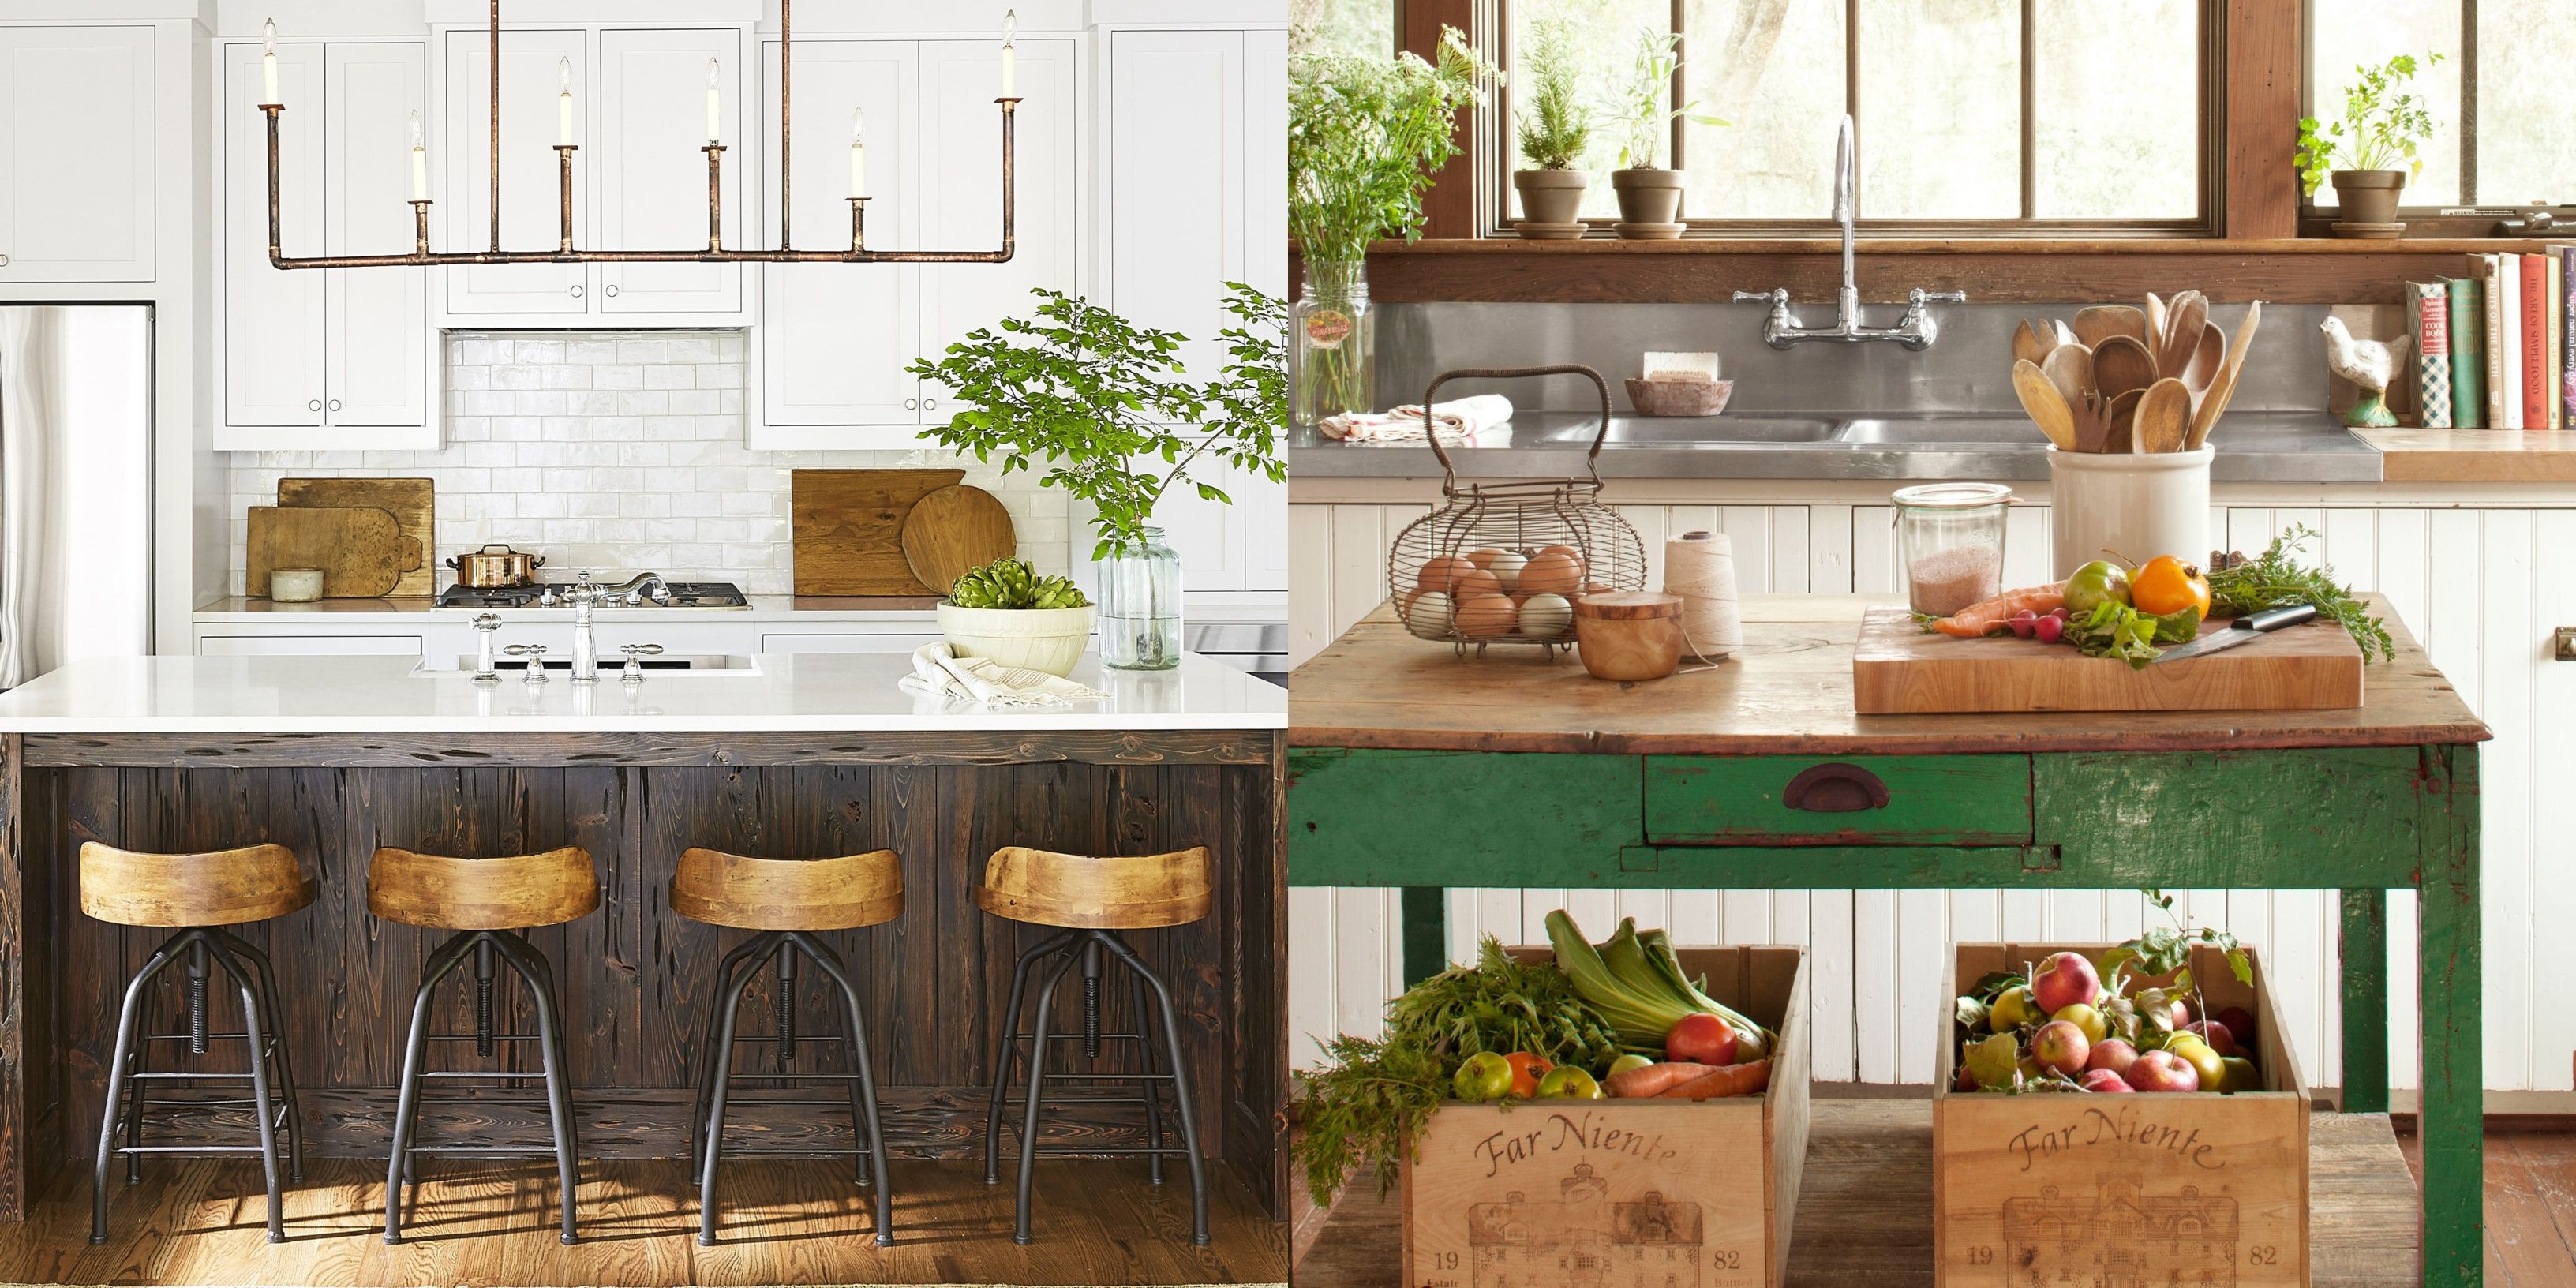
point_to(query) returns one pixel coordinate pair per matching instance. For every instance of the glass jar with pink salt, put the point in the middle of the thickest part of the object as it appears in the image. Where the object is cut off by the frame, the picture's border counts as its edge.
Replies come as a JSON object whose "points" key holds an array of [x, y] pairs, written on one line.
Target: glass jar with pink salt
{"points": [[1952, 538]]}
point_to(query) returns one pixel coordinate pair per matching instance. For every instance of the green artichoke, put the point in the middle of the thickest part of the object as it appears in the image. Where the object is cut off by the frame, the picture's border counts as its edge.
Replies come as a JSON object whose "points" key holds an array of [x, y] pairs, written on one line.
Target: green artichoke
{"points": [[1012, 583]]}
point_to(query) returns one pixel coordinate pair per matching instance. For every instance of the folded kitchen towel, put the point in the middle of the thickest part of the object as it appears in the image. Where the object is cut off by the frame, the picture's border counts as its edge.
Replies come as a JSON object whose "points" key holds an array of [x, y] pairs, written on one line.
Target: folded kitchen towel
{"points": [[939, 672], [1463, 418]]}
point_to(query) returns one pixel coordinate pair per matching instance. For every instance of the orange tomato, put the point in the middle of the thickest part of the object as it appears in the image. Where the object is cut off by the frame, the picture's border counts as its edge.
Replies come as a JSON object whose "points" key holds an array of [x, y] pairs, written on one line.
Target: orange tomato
{"points": [[1527, 1069], [2167, 585]]}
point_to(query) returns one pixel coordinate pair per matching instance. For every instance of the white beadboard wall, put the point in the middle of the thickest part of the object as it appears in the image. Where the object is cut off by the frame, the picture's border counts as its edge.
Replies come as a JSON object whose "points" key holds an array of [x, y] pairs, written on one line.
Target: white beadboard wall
{"points": [[620, 451], [2481, 587]]}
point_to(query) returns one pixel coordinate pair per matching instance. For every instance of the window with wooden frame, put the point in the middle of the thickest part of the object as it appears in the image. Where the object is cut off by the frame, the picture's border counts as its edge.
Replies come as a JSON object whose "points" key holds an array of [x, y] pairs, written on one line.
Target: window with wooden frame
{"points": [[2504, 126], [2088, 118]]}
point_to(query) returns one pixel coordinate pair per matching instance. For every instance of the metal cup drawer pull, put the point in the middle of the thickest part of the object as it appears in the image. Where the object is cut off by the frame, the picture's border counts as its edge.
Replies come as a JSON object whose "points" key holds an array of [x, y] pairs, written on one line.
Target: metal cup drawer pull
{"points": [[1835, 788]]}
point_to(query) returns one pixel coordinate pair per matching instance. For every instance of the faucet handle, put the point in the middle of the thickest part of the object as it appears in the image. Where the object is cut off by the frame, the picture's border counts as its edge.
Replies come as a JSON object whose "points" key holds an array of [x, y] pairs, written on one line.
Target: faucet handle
{"points": [[1777, 297], [536, 655], [635, 655], [488, 622], [1918, 296]]}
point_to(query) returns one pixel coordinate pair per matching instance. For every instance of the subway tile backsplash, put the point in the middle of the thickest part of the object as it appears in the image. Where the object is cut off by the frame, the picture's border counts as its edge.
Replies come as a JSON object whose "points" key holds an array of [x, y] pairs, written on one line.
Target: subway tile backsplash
{"points": [[619, 452]]}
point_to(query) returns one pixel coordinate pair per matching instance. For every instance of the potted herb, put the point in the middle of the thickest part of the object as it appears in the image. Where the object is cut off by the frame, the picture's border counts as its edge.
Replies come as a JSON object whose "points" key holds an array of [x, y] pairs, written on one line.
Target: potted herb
{"points": [[1554, 133], [1104, 406], [1008, 612], [1365, 135], [1650, 197], [2381, 128]]}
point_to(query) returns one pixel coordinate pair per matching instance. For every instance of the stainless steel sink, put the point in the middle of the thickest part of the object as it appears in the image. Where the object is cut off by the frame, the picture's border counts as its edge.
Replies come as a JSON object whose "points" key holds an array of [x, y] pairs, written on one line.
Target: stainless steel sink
{"points": [[1687, 431], [1968, 431]]}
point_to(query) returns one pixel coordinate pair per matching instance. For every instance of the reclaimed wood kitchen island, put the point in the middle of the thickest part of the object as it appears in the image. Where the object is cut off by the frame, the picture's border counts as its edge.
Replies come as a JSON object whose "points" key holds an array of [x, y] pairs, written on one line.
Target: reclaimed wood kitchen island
{"points": [[1412, 768], [803, 756]]}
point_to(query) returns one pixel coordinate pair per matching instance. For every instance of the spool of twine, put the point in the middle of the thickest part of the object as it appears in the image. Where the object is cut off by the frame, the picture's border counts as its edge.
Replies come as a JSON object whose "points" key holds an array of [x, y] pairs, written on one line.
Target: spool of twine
{"points": [[1700, 567]]}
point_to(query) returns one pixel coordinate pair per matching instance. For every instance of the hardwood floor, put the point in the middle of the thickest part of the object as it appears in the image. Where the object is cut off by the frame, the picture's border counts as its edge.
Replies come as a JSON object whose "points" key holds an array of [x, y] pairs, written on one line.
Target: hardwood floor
{"points": [[785, 1222], [2531, 1206]]}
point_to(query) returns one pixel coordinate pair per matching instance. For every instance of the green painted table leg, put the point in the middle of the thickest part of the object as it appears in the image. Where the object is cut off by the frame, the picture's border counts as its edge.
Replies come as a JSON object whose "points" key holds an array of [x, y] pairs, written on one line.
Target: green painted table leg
{"points": [[1426, 933], [2454, 1156], [2365, 1001]]}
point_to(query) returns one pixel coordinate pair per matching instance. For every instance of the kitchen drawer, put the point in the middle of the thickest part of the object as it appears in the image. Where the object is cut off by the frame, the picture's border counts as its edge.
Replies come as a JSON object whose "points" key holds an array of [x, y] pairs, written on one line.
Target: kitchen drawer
{"points": [[1846, 800], [308, 645]]}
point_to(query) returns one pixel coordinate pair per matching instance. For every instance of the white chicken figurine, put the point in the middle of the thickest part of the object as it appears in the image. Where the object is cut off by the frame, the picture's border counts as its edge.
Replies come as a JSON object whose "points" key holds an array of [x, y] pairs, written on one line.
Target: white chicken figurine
{"points": [[2370, 365]]}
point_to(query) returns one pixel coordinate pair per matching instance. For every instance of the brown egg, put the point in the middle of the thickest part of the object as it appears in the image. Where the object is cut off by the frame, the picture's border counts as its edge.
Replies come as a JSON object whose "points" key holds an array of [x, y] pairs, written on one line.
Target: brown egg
{"points": [[1442, 572], [1478, 582], [1487, 617], [1553, 572], [1484, 558]]}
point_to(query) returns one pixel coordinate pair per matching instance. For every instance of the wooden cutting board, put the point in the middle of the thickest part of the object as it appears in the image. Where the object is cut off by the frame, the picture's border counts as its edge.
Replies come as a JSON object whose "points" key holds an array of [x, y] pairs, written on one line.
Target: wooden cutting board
{"points": [[412, 502], [954, 530], [1899, 668], [357, 547], [847, 529]]}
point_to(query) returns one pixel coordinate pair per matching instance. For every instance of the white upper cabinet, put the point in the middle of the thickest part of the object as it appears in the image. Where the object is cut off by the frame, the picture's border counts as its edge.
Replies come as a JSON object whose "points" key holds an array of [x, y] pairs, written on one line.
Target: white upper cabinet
{"points": [[652, 168], [531, 177], [273, 324], [377, 345], [961, 189], [76, 145]]}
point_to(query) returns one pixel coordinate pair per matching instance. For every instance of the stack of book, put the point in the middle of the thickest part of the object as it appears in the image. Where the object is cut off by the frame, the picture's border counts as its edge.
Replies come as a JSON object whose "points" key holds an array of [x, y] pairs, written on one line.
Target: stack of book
{"points": [[2495, 349]]}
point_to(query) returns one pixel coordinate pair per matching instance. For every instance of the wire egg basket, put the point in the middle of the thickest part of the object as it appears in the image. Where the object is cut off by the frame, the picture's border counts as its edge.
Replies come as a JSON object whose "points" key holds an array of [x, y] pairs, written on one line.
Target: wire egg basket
{"points": [[1502, 563]]}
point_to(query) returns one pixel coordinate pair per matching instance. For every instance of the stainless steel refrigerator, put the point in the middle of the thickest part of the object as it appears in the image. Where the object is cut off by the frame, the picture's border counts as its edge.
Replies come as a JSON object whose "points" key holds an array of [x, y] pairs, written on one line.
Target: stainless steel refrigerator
{"points": [[75, 485]]}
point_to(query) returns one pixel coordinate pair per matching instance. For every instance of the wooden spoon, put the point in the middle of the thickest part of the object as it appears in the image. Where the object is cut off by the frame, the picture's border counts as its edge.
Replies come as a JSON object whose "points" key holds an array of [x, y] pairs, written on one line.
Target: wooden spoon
{"points": [[2164, 417], [2155, 311], [2070, 368], [2205, 360], [2121, 421], [2046, 406], [2121, 363], [2183, 321], [2026, 344], [2215, 402], [2102, 321]]}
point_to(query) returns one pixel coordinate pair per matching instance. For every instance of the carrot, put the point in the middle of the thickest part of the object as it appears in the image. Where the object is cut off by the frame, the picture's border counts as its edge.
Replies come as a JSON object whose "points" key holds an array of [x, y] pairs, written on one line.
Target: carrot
{"points": [[1731, 1080], [1654, 1079], [1985, 615]]}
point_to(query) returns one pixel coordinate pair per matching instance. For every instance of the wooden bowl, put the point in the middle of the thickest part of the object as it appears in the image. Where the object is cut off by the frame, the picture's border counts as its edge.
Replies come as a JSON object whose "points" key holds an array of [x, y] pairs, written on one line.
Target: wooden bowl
{"points": [[1629, 635], [1678, 397]]}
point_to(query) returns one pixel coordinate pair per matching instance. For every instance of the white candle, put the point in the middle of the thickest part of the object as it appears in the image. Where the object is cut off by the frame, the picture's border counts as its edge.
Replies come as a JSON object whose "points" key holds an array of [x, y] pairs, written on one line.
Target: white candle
{"points": [[858, 153], [563, 103], [419, 163], [1010, 52], [715, 106], [268, 63]]}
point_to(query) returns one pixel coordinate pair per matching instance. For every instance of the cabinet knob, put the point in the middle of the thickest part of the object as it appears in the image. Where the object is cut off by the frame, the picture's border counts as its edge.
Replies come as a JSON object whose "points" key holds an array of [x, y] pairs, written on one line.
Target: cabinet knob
{"points": [[4, 261], [315, 405], [576, 290], [335, 404], [928, 403], [912, 404], [612, 290]]}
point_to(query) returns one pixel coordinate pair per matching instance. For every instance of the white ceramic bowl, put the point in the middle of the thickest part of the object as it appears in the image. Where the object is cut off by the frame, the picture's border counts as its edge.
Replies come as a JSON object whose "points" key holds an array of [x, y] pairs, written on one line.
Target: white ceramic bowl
{"points": [[1041, 639], [2140, 506]]}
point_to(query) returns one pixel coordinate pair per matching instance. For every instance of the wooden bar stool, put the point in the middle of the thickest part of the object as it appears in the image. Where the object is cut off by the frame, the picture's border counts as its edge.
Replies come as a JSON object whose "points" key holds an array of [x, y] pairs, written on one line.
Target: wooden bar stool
{"points": [[197, 895], [787, 900], [487, 902], [1094, 899]]}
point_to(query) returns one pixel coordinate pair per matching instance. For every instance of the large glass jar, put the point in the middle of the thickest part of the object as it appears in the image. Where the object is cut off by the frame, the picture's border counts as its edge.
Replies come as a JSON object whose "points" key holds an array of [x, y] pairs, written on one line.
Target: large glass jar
{"points": [[1332, 355], [1140, 606], [1952, 539]]}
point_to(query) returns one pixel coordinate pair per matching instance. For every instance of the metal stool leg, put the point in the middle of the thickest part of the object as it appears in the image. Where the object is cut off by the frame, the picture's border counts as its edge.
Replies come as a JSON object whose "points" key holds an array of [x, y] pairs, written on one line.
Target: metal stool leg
{"points": [[1151, 1083], [864, 1122], [118, 1069], [285, 1077], [1037, 1081], [441, 964], [534, 971], [1006, 1054], [718, 1083], [1180, 1081], [725, 984], [134, 1105], [256, 1033]]}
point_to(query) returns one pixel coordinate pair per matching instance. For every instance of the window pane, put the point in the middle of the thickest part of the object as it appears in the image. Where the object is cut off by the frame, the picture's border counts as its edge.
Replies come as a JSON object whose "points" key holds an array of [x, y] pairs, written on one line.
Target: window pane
{"points": [[1940, 110], [2347, 34], [1774, 69], [2117, 94], [2526, 120], [1601, 43], [1364, 27]]}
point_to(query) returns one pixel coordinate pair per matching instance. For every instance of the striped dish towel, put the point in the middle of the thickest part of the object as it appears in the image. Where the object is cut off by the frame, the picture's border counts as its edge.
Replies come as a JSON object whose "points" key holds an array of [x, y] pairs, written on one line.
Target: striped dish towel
{"points": [[939, 672]]}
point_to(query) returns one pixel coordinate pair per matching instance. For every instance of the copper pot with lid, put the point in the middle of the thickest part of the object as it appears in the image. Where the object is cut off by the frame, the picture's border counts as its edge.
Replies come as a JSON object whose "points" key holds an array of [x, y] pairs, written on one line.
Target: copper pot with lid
{"points": [[496, 566]]}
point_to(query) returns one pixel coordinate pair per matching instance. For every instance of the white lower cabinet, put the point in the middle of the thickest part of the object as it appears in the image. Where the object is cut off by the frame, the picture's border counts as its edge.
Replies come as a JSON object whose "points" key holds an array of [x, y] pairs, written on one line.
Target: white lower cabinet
{"points": [[844, 642]]}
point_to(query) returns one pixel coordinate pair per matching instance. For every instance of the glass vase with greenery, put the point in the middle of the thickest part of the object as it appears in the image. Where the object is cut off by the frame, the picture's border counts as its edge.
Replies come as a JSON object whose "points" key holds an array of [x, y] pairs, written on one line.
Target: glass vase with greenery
{"points": [[1555, 131], [2371, 150], [1365, 135], [1107, 409]]}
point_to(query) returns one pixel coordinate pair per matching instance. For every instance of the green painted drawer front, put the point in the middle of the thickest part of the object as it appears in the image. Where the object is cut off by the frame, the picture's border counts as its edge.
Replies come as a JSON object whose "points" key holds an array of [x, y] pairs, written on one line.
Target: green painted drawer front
{"points": [[1928, 800], [2316, 818], [1367, 817]]}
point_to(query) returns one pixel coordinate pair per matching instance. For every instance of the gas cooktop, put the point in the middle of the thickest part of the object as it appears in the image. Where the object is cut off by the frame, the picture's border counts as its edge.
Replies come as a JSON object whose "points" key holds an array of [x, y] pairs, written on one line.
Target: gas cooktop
{"points": [[684, 594]]}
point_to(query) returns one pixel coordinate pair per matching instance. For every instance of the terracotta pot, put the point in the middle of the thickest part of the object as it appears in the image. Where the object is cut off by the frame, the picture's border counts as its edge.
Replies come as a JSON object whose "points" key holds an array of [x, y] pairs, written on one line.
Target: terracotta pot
{"points": [[2367, 196], [1648, 199], [1551, 197]]}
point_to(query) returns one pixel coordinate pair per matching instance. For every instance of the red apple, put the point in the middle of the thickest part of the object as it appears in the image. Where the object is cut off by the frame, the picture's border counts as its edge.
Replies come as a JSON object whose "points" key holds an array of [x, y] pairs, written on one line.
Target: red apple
{"points": [[2240, 1025], [2105, 1081], [2113, 1056], [2064, 980], [2061, 1046], [2163, 1071], [2220, 1037], [1700, 1038]]}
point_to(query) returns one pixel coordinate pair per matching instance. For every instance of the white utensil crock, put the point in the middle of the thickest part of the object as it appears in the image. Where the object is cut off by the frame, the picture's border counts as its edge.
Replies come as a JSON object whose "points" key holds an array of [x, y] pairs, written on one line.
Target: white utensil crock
{"points": [[2138, 506]]}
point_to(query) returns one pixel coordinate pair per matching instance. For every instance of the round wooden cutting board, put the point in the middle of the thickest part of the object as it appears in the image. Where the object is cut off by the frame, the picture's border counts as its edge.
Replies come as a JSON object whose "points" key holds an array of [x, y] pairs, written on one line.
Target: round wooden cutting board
{"points": [[953, 531]]}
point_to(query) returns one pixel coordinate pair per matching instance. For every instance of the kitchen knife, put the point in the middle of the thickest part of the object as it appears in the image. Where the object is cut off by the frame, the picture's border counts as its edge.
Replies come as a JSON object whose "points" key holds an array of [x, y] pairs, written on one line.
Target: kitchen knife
{"points": [[2243, 630]]}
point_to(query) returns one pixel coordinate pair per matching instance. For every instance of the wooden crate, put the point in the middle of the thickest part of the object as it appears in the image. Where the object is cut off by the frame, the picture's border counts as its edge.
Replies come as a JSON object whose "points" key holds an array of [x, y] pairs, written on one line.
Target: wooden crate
{"points": [[1624, 1193], [2120, 1189]]}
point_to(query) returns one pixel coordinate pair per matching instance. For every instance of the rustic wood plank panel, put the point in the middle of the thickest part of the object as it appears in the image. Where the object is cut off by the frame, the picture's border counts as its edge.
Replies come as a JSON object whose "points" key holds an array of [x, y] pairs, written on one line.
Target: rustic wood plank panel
{"points": [[401, 750]]}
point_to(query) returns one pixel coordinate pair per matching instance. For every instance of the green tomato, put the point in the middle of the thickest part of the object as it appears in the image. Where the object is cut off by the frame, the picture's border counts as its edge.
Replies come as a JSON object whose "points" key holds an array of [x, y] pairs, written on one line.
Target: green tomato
{"points": [[2095, 584], [1483, 1077]]}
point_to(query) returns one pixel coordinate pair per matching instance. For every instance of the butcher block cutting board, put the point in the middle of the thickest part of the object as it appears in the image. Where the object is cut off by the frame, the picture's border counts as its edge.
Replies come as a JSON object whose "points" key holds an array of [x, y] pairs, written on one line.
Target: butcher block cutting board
{"points": [[357, 547], [412, 502], [1898, 668], [847, 529]]}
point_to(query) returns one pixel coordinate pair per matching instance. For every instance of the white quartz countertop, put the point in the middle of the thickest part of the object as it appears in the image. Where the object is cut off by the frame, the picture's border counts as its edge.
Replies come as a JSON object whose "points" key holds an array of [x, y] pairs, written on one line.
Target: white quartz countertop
{"points": [[413, 610], [819, 693]]}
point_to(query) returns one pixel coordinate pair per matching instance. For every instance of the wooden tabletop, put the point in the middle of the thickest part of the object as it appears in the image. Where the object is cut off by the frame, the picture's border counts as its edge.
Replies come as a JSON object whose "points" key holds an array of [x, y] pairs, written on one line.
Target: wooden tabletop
{"points": [[1788, 692]]}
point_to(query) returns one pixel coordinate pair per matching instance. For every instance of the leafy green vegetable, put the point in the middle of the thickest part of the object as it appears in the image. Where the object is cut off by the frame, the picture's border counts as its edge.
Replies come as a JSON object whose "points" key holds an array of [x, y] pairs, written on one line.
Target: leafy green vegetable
{"points": [[1012, 583], [2239, 585], [1641, 997], [2114, 629]]}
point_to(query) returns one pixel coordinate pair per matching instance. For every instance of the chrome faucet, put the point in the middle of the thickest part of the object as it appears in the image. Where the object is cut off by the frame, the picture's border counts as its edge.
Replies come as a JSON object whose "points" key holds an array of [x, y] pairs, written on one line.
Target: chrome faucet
{"points": [[1915, 332], [585, 597]]}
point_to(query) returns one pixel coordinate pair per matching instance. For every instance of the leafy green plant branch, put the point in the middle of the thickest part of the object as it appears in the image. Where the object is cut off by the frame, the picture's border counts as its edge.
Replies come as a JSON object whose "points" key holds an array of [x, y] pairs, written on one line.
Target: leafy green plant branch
{"points": [[1104, 406], [2380, 126], [1645, 123], [1557, 129], [1365, 137]]}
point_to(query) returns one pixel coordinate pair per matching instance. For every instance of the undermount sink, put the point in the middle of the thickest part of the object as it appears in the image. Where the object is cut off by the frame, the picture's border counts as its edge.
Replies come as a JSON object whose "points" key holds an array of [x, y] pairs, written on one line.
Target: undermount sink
{"points": [[666, 666], [1966, 430], [1642, 431]]}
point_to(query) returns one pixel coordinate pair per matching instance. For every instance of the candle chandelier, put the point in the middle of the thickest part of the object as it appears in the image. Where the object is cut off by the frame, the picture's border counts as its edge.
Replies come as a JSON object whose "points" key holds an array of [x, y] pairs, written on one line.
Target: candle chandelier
{"points": [[715, 251]]}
